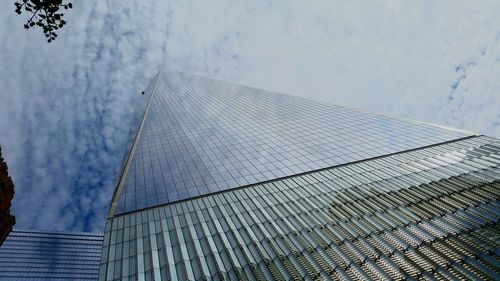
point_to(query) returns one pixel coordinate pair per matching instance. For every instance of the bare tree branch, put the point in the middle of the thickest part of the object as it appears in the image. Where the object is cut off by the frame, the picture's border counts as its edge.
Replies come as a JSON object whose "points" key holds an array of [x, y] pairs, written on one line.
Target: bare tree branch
{"points": [[44, 13]]}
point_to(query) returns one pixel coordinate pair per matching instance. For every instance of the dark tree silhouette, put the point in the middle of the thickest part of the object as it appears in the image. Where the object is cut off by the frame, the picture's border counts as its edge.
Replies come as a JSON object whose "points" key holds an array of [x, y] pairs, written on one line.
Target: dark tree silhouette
{"points": [[44, 13]]}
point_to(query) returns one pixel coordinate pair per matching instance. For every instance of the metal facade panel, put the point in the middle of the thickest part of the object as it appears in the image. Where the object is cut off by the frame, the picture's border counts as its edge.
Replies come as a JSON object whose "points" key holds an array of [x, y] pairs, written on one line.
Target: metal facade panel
{"points": [[431, 213]]}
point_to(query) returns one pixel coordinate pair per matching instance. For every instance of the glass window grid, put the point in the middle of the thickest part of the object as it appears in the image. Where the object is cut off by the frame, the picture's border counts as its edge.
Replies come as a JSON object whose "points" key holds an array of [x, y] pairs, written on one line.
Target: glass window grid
{"points": [[37, 255], [202, 136]]}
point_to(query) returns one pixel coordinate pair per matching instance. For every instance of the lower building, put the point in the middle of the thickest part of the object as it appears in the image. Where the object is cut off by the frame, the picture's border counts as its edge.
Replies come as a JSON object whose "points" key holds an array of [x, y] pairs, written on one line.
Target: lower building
{"points": [[40, 255]]}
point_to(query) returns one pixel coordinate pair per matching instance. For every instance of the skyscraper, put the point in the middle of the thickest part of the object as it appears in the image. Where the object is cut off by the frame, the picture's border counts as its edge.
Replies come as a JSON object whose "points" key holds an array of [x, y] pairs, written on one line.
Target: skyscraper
{"points": [[222, 181]]}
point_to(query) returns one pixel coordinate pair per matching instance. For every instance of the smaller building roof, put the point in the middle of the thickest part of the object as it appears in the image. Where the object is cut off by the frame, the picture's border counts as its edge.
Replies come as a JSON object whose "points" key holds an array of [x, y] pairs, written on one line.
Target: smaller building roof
{"points": [[34, 255]]}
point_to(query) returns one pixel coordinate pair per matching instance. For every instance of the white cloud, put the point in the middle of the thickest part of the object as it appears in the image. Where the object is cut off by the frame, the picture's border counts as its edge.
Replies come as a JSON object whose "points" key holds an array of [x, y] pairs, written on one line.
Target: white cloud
{"points": [[66, 105]]}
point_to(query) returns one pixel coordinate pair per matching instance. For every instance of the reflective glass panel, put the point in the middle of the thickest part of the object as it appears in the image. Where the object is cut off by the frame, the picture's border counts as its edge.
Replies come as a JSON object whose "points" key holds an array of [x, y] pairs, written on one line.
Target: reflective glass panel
{"points": [[202, 136]]}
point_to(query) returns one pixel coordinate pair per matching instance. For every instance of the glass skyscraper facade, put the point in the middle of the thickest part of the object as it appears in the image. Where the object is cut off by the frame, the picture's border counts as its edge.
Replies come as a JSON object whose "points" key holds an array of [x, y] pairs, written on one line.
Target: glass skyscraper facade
{"points": [[41, 255], [201, 136], [221, 181]]}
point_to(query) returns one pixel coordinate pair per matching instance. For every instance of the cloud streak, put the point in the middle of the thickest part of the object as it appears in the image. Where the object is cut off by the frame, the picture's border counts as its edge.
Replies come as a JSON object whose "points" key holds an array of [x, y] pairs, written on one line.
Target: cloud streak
{"points": [[66, 106]]}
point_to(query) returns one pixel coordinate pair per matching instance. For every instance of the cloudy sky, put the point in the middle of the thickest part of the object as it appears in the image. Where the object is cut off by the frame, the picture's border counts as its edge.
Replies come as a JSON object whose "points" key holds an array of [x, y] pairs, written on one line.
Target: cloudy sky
{"points": [[65, 107]]}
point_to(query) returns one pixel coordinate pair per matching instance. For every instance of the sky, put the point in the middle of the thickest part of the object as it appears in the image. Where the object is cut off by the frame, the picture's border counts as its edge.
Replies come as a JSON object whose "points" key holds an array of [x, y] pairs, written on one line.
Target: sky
{"points": [[65, 107]]}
